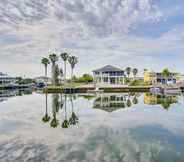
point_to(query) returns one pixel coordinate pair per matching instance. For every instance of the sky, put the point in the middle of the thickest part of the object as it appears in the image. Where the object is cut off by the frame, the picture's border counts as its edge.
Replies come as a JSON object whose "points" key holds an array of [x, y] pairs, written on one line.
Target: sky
{"points": [[137, 33]]}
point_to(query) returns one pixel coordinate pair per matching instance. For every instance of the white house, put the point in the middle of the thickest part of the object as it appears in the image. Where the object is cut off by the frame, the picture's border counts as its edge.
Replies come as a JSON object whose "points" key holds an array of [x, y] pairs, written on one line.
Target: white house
{"points": [[5, 79], [109, 74]]}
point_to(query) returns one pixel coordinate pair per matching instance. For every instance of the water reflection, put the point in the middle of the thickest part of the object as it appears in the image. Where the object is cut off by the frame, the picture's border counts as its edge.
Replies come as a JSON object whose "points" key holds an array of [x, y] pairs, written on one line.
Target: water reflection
{"points": [[6, 94], [159, 99], [113, 102], [57, 107], [134, 135]]}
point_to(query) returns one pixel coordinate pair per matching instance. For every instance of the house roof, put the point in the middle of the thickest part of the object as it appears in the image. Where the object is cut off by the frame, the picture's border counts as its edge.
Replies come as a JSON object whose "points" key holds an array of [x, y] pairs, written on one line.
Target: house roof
{"points": [[108, 68]]}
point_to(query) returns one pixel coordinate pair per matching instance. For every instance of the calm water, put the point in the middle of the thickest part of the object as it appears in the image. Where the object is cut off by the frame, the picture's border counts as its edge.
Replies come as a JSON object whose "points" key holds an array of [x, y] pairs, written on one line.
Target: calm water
{"points": [[119, 127]]}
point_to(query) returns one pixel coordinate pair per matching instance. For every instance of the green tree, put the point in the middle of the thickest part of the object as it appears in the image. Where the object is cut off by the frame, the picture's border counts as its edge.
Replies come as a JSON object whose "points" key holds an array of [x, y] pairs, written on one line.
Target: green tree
{"points": [[56, 74], [64, 57], [45, 61], [135, 71], [73, 61], [53, 58], [86, 78], [165, 74], [128, 71]]}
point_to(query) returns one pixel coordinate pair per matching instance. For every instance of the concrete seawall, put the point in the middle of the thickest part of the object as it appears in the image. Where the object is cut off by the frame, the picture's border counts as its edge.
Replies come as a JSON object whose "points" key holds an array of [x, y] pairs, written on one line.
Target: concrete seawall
{"points": [[105, 89]]}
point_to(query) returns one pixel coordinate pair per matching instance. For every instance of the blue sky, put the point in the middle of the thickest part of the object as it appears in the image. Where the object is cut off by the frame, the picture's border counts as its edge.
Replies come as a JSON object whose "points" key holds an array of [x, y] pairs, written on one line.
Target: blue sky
{"points": [[137, 33]]}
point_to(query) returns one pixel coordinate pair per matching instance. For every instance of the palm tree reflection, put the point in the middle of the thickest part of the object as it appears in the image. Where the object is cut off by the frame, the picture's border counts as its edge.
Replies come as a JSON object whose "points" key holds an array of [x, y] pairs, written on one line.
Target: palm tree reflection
{"points": [[65, 123], [46, 117], [73, 119], [55, 109]]}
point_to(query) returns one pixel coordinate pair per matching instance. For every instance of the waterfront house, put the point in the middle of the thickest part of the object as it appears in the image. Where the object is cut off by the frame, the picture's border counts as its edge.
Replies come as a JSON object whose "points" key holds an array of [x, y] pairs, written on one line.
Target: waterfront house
{"points": [[43, 79], [5, 79], [151, 77], [109, 74]]}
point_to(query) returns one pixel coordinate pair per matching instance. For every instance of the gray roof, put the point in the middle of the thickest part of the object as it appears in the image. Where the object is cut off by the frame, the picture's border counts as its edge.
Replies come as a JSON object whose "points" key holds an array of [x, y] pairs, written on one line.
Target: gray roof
{"points": [[108, 68]]}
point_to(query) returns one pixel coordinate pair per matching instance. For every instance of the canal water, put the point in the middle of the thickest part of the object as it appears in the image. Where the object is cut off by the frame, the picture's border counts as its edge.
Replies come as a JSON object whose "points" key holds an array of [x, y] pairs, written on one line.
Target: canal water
{"points": [[120, 127]]}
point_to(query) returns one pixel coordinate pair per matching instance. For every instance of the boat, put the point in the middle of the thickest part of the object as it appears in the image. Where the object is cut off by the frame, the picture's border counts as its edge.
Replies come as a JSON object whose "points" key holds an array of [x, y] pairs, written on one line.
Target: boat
{"points": [[96, 90], [156, 90], [172, 90]]}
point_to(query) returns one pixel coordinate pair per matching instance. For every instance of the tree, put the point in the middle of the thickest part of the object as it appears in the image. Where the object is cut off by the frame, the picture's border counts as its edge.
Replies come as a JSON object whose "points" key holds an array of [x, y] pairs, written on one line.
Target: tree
{"points": [[73, 61], [56, 74], [65, 57], [128, 71], [165, 74], [45, 61], [53, 58], [135, 71], [86, 78]]}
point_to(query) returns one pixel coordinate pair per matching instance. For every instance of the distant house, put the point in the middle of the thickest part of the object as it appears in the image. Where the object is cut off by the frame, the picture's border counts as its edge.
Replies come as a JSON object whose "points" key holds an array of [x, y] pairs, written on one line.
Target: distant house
{"points": [[109, 74], [43, 79], [5, 79], [151, 77]]}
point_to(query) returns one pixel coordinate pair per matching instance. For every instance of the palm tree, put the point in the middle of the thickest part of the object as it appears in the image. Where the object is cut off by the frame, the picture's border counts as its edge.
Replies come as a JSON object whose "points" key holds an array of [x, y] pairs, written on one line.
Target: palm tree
{"points": [[45, 61], [135, 71], [128, 71], [165, 74], [73, 61], [53, 58], [46, 117], [65, 57]]}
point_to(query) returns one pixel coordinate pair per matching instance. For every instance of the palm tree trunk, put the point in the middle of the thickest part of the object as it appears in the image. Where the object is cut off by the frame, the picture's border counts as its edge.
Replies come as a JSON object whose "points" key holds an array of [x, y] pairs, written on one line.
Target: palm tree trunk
{"points": [[45, 70], [65, 72], [71, 75], [65, 107], [53, 74], [46, 104]]}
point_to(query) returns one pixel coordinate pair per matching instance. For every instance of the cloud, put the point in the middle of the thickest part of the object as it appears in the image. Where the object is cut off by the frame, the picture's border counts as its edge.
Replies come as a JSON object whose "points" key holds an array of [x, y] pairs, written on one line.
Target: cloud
{"points": [[86, 28]]}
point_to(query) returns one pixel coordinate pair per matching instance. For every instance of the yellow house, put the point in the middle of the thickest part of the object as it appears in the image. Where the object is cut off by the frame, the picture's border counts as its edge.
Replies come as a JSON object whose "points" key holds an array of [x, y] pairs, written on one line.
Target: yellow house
{"points": [[149, 77]]}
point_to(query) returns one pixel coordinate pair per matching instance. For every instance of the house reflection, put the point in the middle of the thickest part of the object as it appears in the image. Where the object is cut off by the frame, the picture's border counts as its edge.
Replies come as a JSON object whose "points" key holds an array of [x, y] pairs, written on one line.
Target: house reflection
{"points": [[113, 102], [160, 99], [6, 94]]}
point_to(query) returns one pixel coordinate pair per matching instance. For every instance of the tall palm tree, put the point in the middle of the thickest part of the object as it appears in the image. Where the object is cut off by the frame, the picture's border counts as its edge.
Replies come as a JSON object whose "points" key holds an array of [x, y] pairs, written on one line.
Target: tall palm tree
{"points": [[53, 58], [73, 61], [45, 61], [135, 71], [65, 57], [46, 117], [128, 71]]}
